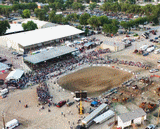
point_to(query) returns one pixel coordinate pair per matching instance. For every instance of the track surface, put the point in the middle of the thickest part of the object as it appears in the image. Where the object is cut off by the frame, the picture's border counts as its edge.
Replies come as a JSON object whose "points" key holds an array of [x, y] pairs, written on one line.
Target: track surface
{"points": [[95, 80]]}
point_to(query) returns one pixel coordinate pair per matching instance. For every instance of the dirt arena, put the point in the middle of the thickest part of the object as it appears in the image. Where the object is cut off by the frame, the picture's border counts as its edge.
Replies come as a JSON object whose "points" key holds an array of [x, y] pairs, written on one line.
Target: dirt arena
{"points": [[95, 80]]}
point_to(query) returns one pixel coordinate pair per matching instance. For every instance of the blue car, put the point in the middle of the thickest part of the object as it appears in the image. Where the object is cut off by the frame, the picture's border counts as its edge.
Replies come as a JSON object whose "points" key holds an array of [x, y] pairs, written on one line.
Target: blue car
{"points": [[145, 54]]}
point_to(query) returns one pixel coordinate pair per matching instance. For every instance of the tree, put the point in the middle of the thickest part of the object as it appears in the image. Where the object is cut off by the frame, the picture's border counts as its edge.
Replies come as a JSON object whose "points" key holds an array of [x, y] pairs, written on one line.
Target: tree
{"points": [[6, 11], [40, 14], [30, 25], [26, 13], [15, 7], [114, 30], [104, 20], [64, 20], [80, 27], [124, 25], [84, 18], [115, 22], [94, 21], [76, 6], [69, 3], [107, 28], [46, 8], [52, 16], [92, 6], [86, 32], [58, 18], [4, 25]]}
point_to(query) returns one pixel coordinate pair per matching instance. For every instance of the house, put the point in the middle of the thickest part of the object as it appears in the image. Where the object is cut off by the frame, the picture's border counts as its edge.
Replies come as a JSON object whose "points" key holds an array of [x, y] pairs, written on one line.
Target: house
{"points": [[130, 118]]}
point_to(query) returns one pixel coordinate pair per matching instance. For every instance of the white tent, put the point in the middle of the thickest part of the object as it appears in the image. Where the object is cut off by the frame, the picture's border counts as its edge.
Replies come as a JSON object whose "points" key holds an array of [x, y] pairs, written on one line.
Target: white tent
{"points": [[3, 66], [16, 74]]}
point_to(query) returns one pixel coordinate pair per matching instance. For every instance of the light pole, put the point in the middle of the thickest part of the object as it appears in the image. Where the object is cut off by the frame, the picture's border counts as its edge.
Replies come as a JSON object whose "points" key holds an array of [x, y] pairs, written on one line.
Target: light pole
{"points": [[158, 111], [3, 120]]}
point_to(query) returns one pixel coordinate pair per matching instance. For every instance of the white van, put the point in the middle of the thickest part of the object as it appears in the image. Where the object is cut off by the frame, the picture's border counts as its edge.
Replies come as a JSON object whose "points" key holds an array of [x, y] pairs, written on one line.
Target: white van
{"points": [[12, 124], [3, 92], [150, 49], [144, 47], [157, 51]]}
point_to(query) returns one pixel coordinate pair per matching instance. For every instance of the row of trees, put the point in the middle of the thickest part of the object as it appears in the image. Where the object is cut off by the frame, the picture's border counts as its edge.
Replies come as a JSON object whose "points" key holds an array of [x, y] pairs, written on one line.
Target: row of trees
{"points": [[131, 8]]}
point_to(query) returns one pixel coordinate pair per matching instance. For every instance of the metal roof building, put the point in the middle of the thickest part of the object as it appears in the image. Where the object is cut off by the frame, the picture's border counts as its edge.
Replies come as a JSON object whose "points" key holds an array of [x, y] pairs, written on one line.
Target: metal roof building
{"points": [[38, 37], [130, 118], [50, 54]]}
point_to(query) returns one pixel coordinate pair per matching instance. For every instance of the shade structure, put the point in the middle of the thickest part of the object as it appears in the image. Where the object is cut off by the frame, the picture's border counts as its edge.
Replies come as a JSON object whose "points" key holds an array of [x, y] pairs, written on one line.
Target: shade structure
{"points": [[3, 67], [49, 54], [16, 74]]}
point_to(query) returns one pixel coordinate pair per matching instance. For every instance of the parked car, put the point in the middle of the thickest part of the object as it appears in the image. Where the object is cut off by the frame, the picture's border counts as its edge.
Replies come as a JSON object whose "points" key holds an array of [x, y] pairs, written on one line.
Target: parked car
{"points": [[24, 55], [10, 65], [19, 54], [69, 104], [150, 126], [14, 53], [150, 49], [61, 103], [145, 54], [151, 40], [157, 51], [3, 60], [153, 70]]}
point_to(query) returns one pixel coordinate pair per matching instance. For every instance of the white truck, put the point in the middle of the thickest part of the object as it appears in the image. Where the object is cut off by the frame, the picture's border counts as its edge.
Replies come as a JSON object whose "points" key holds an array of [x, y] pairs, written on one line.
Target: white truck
{"points": [[157, 51], [150, 49], [11, 124], [104, 117], [3, 92], [144, 47]]}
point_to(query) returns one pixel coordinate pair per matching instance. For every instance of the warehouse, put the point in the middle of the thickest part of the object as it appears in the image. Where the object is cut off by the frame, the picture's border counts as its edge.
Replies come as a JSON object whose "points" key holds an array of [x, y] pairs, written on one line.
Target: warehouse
{"points": [[25, 41], [113, 46]]}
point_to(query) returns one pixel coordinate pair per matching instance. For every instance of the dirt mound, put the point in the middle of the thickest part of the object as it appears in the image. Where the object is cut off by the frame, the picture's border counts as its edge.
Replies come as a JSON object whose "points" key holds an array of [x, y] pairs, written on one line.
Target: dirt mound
{"points": [[95, 80]]}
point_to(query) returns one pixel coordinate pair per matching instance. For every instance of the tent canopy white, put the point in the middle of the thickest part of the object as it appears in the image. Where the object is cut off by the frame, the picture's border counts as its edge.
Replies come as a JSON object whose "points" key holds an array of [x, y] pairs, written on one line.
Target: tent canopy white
{"points": [[16, 74], [3, 66]]}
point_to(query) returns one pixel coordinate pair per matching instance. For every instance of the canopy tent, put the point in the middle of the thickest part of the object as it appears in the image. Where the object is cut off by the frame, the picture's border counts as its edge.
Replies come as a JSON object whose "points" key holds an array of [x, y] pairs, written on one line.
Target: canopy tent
{"points": [[3, 67], [88, 44], [94, 103], [16, 74], [50, 54]]}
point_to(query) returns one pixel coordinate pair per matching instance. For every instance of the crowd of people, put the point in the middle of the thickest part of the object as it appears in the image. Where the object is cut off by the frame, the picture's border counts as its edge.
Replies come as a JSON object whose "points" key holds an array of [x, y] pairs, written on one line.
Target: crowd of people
{"points": [[41, 75], [71, 63]]}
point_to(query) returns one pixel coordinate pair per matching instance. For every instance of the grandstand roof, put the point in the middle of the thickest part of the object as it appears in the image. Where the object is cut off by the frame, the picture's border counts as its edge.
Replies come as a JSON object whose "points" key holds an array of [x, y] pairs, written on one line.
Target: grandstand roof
{"points": [[42, 35], [50, 54]]}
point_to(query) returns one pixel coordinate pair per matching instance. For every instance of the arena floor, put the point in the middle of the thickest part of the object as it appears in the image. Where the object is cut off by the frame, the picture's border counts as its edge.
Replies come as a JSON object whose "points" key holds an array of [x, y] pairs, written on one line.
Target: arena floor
{"points": [[94, 80]]}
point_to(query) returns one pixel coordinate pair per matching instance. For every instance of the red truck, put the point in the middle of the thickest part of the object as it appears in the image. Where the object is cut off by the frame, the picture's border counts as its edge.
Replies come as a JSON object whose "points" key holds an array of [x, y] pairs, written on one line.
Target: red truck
{"points": [[61, 103]]}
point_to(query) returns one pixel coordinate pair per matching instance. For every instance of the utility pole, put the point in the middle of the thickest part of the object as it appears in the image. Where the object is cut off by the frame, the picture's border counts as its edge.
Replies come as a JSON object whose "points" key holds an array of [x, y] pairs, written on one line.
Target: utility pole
{"points": [[158, 111], [3, 120]]}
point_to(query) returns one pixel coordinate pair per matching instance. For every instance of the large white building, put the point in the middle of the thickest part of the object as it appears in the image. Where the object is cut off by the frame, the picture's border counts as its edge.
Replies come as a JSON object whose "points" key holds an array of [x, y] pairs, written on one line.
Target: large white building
{"points": [[135, 117], [14, 28], [40, 24], [39, 37]]}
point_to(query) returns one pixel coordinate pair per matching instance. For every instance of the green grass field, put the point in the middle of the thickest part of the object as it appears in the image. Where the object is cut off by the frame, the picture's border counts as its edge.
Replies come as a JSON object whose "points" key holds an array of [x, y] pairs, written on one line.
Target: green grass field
{"points": [[5, 6]]}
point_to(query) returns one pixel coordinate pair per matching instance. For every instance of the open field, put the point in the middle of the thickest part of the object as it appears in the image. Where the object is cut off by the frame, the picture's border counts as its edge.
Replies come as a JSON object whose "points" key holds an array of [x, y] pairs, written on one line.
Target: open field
{"points": [[95, 80], [5, 6]]}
